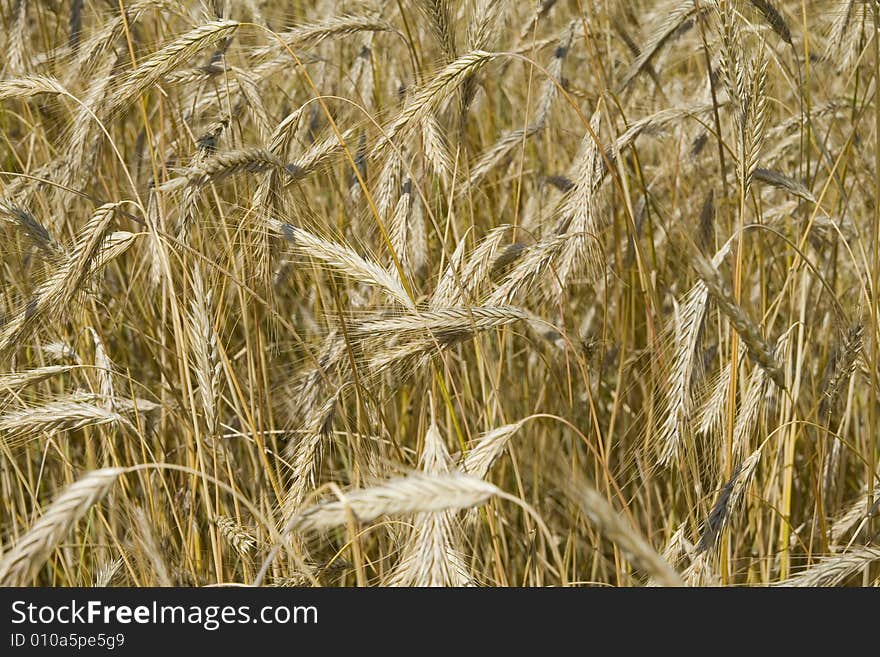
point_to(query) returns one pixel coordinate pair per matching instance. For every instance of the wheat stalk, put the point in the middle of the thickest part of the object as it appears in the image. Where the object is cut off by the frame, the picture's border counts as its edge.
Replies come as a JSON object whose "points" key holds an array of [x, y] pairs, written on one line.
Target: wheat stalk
{"points": [[20, 426], [14, 382], [30, 86], [774, 19], [59, 290], [238, 536], [426, 99], [430, 556], [30, 552], [721, 293], [415, 493], [458, 283], [672, 16], [150, 70], [312, 34], [346, 261], [611, 526], [28, 224], [729, 500], [834, 570]]}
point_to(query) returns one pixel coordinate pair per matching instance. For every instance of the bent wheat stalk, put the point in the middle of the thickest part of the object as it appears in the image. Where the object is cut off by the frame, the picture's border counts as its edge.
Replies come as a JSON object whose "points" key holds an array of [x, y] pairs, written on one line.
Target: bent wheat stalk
{"points": [[759, 349], [416, 493], [25, 559], [59, 290]]}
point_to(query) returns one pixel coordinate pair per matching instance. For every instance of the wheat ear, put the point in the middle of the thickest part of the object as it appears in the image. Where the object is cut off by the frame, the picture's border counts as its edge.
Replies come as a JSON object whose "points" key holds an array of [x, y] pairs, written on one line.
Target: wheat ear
{"points": [[25, 559], [758, 348], [612, 527], [430, 556], [150, 70], [834, 570]]}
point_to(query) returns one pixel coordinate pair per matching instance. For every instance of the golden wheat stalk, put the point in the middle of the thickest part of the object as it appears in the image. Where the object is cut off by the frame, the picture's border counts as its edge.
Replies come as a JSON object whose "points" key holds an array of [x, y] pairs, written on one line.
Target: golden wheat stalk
{"points": [[751, 335], [430, 554], [835, 569], [20, 426], [415, 493], [150, 70], [21, 564], [611, 526], [346, 261], [61, 287]]}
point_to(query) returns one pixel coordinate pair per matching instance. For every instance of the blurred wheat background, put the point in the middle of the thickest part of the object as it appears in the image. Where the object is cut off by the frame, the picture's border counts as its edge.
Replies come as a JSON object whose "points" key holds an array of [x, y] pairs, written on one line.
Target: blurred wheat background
{"points": [[420, 292]]}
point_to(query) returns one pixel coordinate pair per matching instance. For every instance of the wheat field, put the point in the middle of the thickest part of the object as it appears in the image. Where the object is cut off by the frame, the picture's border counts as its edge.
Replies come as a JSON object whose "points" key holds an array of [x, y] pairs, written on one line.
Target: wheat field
{"points": [[432, 293]]}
